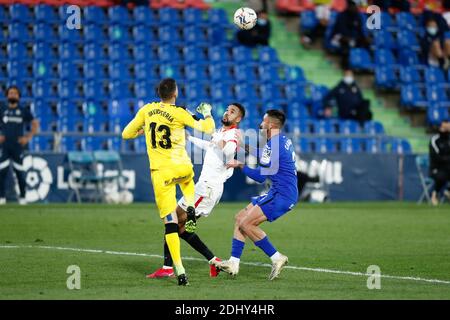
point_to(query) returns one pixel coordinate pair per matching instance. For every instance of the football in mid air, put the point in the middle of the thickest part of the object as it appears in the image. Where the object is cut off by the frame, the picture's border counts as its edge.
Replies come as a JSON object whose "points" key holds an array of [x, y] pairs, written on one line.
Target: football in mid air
{"points": [[245, 18]]}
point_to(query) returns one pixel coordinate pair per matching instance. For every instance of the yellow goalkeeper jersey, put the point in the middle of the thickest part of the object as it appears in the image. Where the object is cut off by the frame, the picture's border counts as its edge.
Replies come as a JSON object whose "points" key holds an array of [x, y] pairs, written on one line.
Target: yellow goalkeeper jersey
{"points": [[165, 136]]}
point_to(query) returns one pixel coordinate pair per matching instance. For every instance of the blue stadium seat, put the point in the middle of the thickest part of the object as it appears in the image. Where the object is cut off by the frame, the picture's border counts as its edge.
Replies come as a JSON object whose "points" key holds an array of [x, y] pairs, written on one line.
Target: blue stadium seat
{"points": [[410, 74], [218, 17], [44, 32], [196, 91], [169, 16], [400, 146], [18, 70], [294, 74], [93, 52], [118, 52], [71, 144], [373, 128], [318, 93], [304, 145], [44, 51], [42, 89], [49, 124], [295, 93], [69, 51], [268, 55], [384, 57], [195, 72], [170, 70], [16, 51], [93, 33], [119, 33], [434, 75], [194, 35], [349, 127], [436, 114], [67, 90], [383, 39], [19, 12], [406, 20], [45, 13], [119, 15], [193, 16], [241, 54], [218, 54], [143, 34], [297, 111], [168, 54], [323, 145], [407, 39], [94, 143], [94, 15], [143, 15], [93, 70], [413, 95], [407, 57], [386, 77], [142, 52], [373, 145], [92, 89], [44, 69], [245, 92], [4, 17], [270, 92], [146, 71], [437, 95], [193, 54], [41, 144], [360, 59], [67, 35], [323, 127], [168, 34], [145, 90], [119, 90], [308, 20], [243, 73], [18, 32], [222, 92], [350, 146], [268, 73], [220, 72], [67, 108], [119, 71]]}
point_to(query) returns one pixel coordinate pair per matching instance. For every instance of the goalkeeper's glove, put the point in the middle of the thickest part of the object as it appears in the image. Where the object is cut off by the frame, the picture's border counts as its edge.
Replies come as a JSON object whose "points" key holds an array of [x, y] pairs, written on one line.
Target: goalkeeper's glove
{"points": [[205, 109]]}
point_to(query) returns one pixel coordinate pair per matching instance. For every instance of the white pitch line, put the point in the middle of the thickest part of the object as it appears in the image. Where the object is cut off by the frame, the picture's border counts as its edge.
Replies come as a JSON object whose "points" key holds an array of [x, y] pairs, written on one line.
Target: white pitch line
{"points": [[256, 264]]}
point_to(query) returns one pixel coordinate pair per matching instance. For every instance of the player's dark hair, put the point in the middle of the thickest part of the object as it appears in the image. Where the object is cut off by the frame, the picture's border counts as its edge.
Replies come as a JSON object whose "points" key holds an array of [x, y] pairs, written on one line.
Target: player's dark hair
{"points": [[278, 115], [12, 88], [240, 107], [166, 88]]}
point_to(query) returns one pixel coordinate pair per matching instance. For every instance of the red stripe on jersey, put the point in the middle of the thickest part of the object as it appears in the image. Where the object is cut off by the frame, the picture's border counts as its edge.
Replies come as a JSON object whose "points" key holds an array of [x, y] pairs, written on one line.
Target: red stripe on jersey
{"points": [[198, 202]]}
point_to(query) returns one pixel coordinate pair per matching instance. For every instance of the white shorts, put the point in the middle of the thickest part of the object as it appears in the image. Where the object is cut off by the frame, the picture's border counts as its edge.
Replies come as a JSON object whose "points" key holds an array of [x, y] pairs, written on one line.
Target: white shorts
{"points": [[206, 197]]}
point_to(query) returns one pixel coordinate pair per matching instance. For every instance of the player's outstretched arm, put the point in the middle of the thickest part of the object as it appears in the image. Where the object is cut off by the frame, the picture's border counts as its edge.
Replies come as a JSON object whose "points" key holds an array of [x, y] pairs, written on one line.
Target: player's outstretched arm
{"points": [[134, 128], [207, 125], [254, 174]]}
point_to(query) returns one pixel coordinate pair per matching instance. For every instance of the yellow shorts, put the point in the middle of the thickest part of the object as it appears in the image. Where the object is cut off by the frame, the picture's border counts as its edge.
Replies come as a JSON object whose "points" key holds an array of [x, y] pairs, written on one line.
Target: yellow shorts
{"points": [[165, 183]]}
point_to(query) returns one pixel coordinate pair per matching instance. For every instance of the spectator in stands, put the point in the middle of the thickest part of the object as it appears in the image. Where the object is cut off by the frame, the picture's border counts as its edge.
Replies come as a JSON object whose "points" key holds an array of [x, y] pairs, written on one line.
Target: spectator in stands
{"points": [[435, 48], [440, 161], [348, 31], [259, 34], [349, 100], [322, 10], [13, 140]]}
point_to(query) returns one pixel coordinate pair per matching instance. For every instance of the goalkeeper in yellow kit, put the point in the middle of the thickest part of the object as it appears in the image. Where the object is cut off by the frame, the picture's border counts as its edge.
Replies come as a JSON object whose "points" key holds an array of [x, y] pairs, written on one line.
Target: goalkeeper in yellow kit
{"points": [[164, 126]]}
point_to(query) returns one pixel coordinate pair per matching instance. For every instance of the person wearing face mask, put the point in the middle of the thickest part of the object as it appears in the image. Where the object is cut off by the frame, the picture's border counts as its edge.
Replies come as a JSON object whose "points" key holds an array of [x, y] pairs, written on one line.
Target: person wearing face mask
{"points": [[440, 161], [435, 48], [348, 32], [349, 100], [13, 120], [259, 34]]}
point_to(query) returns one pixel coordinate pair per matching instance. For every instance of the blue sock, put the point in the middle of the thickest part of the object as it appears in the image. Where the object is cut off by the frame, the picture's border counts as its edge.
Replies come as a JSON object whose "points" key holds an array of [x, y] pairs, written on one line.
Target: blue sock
{"points": [[237, 247], [265, 245]]}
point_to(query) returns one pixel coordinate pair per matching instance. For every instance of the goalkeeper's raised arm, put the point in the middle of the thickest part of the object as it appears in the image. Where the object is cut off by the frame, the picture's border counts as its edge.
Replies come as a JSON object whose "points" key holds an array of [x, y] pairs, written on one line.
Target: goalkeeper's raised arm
{"points": [[207, 125]]}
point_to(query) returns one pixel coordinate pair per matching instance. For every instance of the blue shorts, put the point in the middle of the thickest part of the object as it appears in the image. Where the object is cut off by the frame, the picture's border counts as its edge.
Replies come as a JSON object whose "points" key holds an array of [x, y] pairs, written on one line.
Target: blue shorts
{"points": [[273, 205]]}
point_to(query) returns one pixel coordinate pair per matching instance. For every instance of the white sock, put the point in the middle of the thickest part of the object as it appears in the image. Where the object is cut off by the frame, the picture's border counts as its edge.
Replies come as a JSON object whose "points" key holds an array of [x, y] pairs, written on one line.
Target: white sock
{"points": [[275, 256], [234, 259], [167, 267], [214, 258]]}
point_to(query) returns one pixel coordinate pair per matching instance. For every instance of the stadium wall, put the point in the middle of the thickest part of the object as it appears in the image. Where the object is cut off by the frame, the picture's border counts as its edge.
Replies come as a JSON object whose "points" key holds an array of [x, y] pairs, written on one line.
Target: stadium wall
{"points": [[357, 177]]}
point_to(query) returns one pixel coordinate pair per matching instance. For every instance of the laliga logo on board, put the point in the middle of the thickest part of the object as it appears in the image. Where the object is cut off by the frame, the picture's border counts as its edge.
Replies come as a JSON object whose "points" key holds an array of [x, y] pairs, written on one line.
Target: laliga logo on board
{"points": [[38, 178]]}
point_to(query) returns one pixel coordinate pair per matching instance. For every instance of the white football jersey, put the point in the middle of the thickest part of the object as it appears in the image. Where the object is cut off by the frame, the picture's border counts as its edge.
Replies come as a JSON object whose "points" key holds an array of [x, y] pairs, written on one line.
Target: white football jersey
{"points": [[214, 170]]}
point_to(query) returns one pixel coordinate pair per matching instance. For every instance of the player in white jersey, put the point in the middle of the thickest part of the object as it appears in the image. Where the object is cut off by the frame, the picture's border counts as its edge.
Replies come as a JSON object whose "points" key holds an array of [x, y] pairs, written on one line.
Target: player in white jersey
{"points": [[209, 188]]}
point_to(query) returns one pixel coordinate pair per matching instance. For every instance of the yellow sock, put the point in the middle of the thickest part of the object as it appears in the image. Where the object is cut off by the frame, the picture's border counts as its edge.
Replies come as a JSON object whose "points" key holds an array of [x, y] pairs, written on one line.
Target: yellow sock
{"points": [[173, 242], [188, 190]]}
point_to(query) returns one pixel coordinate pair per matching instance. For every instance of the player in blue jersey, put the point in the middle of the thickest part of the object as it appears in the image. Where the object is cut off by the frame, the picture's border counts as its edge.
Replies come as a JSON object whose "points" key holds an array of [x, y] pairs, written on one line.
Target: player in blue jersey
{"points": [[277, 163]]}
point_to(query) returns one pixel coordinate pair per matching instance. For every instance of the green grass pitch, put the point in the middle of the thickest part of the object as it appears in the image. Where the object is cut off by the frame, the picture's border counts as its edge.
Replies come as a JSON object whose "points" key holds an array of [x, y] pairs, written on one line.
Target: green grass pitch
{"points": [[410, 244]]}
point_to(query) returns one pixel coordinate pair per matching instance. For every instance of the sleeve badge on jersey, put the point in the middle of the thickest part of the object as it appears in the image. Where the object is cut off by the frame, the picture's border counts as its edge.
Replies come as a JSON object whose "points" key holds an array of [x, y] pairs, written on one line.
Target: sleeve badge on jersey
{"points": [[265, 157]]}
